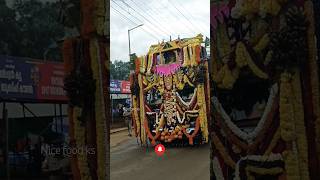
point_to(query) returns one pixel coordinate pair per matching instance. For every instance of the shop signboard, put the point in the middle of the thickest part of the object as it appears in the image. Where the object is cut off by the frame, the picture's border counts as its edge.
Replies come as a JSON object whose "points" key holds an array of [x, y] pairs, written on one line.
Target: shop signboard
{"points": [[125, 87], [24, 79], [115, 86]]}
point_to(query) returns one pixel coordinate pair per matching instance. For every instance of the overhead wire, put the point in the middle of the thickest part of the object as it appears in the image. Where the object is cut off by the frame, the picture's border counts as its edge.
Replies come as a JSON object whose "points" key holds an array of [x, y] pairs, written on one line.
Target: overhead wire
{"points": [[177, 17], [184, 16], [181, 5], [123, 9], [160, 28], [157, 30], [150, 15], [128, 19], [159, 13]]}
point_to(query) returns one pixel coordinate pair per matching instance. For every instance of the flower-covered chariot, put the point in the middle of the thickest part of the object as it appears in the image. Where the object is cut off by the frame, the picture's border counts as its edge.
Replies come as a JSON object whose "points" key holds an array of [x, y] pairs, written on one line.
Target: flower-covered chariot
{"points": [[170, 93]]}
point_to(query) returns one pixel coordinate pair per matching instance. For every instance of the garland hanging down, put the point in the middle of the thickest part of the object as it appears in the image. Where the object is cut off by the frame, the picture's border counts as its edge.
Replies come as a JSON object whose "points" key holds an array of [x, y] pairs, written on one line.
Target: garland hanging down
{"points": [[249, 137], [264, 165], [99, 108]]}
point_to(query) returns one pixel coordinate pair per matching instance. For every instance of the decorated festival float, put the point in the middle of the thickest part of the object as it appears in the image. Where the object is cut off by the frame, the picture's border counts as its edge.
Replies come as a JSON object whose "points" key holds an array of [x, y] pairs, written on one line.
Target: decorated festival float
{"points": [[170, 90], [265, 90]]}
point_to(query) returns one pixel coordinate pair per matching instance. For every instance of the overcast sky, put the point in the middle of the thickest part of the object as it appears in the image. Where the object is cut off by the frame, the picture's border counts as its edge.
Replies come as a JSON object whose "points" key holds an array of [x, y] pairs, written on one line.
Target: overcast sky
{"points": [[161, 18]]}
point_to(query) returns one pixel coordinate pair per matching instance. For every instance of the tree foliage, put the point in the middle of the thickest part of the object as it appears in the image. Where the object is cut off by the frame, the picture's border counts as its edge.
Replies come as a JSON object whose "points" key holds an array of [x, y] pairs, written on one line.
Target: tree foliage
{"points": [[119, 70], [31, 28]]}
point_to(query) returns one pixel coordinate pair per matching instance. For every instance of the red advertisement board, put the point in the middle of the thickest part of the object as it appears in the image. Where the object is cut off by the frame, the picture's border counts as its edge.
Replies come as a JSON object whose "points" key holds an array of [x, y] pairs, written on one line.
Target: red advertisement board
{"points": [[50, 85], [125, 87], [25, 79]]}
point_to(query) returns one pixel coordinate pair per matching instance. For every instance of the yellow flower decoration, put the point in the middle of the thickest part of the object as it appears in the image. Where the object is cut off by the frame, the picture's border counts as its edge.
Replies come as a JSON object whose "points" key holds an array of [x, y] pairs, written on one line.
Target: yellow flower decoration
{"points": [[262, 44], [99, 109]]}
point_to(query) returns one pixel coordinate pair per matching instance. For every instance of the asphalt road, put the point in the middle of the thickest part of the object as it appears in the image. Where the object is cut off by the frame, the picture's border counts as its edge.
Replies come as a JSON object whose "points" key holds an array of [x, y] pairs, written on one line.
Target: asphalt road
{"points": [[132, 162]]}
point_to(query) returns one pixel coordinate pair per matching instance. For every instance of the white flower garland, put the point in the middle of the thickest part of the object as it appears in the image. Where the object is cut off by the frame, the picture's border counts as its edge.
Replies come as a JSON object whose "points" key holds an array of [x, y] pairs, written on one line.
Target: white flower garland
{"points": [[249, 137], [187, 104], [157, 116], [269, 158], [217, 169], [184, 115], [178, 117]]}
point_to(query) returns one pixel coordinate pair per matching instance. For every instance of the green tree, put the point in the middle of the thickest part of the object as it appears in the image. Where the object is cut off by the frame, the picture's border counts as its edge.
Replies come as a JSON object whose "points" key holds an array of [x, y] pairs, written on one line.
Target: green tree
{"points": [[9, 29], [119, 70], [31, 28]]}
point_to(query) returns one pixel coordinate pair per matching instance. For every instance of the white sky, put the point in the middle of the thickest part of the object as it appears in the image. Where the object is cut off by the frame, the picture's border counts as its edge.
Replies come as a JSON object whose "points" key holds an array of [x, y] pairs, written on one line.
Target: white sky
{"points": [[161, 18]]}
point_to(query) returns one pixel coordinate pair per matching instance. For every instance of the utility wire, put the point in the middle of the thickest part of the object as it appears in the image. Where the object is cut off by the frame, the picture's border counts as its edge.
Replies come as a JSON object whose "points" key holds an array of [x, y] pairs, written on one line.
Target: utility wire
{"points": [[185, 17], [160, 28], [150, 15], [181, 5], [139, 20], [178, 18], [128, 19], [156, 12], [123, 17]]}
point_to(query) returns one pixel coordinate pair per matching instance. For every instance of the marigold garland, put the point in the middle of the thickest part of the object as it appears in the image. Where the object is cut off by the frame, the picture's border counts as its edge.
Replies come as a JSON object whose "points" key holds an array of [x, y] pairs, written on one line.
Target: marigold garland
{"points": [[243, 58], [269, 7], [99, 109], [195, 59], [222, 151], [100, 16], [291, 165], [313, 66], [301, 140], [150, 63], [287, 127], [241, 55], [198, 53], [186, 61], [202, 111], [187, 81], [262, 44], [142, 113], [136, 115], [292, 123], [142, 64], [79, 133], [226, 78], [273, 143]]}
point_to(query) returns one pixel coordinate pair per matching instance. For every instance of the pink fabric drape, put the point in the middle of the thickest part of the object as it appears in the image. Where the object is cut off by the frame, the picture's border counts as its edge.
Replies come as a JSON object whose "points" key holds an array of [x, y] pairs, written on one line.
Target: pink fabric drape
{"points": [[167, 69]]}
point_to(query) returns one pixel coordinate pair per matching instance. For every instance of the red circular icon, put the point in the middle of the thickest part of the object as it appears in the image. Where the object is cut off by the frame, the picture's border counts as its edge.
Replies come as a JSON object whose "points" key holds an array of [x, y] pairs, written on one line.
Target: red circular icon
{"points": [[159, 149]]}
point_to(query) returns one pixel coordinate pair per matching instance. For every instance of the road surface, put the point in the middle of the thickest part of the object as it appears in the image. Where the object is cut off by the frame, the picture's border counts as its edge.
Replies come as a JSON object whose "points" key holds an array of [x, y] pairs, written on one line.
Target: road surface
{"points": [[132, 162]]}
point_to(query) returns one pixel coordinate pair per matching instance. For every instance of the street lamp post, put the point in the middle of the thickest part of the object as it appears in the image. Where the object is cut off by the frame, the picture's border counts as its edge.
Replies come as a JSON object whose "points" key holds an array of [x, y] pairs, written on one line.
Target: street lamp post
{"points": [[129, 38]]}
